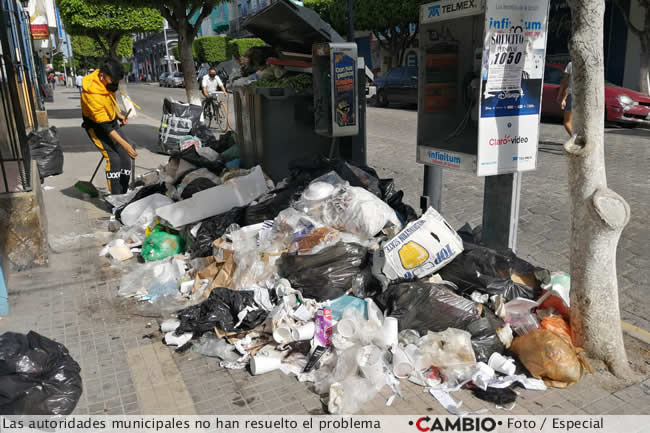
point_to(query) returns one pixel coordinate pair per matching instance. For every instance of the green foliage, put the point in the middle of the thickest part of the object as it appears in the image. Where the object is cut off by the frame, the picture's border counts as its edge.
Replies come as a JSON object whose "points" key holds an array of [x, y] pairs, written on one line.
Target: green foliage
{"points": [[238, 47], [84, 46], [128, 67], [57, 62], [297, 82], [212, 49]]}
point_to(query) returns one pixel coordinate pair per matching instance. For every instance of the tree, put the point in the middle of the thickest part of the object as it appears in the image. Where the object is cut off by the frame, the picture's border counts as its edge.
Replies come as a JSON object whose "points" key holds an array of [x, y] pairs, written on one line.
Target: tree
{"points": [[598, 214], [185, 17], [212, 49], [388, 20], [643, 34], [57, 62], [238, 47], [106, 22]]}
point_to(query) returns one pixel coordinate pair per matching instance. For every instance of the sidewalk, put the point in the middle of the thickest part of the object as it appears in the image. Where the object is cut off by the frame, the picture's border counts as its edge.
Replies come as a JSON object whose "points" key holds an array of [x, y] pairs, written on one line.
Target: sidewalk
{"points": [[74, 301]]}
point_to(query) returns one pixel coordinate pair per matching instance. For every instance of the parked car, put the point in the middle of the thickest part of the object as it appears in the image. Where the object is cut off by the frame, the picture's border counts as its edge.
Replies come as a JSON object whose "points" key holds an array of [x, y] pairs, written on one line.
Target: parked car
{"points": [[176, 80], [399, 85], [623, 106], [162, 79]]}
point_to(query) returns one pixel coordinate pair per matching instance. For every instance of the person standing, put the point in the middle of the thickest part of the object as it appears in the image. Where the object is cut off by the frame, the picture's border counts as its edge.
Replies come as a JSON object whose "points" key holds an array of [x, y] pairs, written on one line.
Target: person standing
{"points": [[101, 114], [77, 81], [564, 98]]}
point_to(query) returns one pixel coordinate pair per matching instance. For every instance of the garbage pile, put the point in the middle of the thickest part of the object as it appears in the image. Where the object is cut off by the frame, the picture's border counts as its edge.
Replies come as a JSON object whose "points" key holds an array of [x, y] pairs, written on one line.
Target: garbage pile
{"points": [[329, 277]]}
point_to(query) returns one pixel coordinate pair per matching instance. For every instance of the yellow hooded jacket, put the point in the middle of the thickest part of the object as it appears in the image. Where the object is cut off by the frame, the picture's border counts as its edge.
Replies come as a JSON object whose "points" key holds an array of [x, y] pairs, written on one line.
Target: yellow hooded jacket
{"points": [[98, 105]]}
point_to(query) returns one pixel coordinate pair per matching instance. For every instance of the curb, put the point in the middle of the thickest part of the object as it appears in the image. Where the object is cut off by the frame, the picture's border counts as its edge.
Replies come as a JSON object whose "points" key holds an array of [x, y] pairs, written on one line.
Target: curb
{"points": [[636, 332]]}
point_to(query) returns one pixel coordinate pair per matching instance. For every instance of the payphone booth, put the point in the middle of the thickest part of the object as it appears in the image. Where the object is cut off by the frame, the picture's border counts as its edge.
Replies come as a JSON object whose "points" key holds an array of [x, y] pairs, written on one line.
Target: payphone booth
{"points": [[479, 100]]}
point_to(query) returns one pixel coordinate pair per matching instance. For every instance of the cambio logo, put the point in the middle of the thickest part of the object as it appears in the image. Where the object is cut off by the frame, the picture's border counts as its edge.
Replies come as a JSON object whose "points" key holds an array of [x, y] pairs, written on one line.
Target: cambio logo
{"points": [[507, 139], [465, 424]]}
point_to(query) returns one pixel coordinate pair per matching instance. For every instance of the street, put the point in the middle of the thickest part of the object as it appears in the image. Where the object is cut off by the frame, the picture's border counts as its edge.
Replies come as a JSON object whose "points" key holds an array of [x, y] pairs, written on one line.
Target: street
{"points": [[543, 225]]}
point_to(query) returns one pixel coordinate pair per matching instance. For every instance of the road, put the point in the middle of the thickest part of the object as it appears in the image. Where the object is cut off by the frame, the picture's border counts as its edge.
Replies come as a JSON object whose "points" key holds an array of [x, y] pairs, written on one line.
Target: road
{"points": [[544, 210]]}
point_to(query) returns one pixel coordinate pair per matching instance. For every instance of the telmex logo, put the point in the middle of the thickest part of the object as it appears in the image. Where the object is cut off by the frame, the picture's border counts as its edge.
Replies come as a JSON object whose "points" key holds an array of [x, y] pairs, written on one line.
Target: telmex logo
{"points": [[436, 10], [426, 424], [507, 139]]}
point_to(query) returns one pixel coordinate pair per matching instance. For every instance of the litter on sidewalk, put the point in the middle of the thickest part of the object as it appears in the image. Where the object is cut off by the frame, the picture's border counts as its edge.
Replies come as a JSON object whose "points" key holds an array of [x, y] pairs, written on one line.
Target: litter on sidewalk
{"points": [[329, 277]]}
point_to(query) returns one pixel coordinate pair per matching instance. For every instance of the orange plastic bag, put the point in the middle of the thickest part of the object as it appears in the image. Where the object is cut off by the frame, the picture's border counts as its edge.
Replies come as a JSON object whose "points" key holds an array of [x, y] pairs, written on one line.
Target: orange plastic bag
{"points": [[558, 326], [548, 356]]}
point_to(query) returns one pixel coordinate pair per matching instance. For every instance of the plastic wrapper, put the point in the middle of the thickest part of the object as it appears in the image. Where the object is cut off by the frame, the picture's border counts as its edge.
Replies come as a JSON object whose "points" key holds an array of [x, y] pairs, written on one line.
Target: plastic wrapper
{"points": [[494, 272], [159, 245], [212, 229], [558, 326], [46, 151], [211, 345], [548, 356], [328, 274], [222, 310], [141, 193], [427, 306], [37, 376], [152, 280]]}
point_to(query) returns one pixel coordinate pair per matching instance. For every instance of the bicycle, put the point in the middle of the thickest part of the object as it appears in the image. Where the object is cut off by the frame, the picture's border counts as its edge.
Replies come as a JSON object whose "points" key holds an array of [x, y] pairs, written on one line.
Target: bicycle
{"points": [[214, 109]]}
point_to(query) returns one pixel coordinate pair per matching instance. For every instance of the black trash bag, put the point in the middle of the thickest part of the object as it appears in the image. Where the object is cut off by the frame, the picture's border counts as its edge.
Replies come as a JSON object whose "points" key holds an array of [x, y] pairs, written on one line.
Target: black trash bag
{"points": [[427, 307], [178, 120], [394, 199], [225, 142], [500, 396], [490, 271], [212, 229], [37, 376], [329, 273], [195, 186], [46, 151], [220, 311], [192, 156], [269, 209], [485, 340], [206, 136], [304, 171], [145, 191]]}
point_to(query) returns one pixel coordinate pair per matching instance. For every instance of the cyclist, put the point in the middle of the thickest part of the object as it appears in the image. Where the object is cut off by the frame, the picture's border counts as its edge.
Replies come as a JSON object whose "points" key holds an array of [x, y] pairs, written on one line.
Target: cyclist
{"points": [[211, 83]]}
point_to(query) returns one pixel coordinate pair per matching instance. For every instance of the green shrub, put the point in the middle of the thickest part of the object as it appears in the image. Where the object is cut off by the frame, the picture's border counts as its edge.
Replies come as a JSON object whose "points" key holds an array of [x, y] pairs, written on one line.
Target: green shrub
{"points": [[213, 49], [128, 67], [238, 47]]}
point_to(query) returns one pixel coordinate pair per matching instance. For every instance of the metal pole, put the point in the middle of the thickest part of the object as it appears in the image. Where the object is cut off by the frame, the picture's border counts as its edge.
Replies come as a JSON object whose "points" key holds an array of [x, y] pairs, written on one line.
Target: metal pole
{"points": [[350, 21], [501, 211], [169, 65], [432, 188]]}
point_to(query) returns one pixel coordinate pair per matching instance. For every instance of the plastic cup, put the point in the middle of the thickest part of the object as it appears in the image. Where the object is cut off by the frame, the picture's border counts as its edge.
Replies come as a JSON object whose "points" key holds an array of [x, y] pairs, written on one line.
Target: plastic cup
{"points": [[370, 362], [282, 335], [346, 328], [318, 191], [502, 364], [389, 332], [305, 332], [402, 365], [261, 364]]}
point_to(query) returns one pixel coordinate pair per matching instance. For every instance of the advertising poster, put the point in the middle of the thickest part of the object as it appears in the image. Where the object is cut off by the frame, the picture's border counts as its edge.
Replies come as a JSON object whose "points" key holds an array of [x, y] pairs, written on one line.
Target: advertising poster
{"points": [[511, 85], [38, 20], [344, 89]]}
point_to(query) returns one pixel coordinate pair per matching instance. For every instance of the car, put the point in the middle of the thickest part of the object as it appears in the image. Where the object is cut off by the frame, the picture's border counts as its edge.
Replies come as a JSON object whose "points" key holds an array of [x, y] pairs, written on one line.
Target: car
{"points": [[162, 79], [399, 85], [176, 80], [622, 106]]}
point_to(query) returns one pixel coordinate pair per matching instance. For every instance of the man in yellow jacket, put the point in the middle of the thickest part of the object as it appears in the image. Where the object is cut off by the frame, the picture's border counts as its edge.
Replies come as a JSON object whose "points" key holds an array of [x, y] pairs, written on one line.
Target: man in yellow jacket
{"points": [[100, 120]]}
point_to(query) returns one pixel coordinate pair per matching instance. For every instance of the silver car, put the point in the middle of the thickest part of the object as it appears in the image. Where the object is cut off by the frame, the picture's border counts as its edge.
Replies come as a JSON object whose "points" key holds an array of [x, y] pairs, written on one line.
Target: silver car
{"points": [[176, 80]]}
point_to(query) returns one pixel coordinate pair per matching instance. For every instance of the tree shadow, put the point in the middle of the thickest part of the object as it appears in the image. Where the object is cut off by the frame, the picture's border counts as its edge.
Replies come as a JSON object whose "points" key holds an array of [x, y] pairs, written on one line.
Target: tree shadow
{"points": [[75, 139], [98, 202], [64, 113], [630, 132]]}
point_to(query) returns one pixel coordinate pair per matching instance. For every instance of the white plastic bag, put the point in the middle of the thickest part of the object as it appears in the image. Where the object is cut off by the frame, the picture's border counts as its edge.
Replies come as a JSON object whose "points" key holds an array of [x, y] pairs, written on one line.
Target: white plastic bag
{"points": [[143, 211]]}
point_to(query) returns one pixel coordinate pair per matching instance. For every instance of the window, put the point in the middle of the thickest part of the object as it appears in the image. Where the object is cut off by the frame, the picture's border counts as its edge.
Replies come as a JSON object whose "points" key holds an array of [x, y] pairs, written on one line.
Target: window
{"points": [[178, 75], [553, 75]]}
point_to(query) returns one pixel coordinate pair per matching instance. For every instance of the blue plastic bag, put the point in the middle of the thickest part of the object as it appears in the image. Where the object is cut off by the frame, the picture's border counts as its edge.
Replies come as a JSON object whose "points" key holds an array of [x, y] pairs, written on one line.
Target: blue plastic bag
{"points": [[339, 305]]}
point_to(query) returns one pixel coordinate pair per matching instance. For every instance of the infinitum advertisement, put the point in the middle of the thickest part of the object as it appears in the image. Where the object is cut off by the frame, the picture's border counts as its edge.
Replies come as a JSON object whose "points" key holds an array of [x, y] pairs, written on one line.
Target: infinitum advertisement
{"points": [[511, 85]]}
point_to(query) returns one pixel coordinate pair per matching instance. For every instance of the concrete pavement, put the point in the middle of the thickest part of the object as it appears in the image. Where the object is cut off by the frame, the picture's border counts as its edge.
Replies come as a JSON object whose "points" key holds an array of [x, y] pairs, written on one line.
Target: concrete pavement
{"points": [[74, 299]]}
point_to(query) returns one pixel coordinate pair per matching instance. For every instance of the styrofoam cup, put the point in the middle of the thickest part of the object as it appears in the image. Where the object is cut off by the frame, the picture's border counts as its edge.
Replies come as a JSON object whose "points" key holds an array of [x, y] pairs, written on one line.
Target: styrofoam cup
{"points": [[318, 191], [402, 365], [370, 362], [304, 332], [261, 364], [346, 328], [282, 335], [389, 332], [502, 364]]}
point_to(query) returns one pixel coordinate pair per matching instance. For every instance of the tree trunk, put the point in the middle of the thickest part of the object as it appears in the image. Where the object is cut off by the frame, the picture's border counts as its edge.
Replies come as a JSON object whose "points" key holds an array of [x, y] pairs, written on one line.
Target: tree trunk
{"points": [[185, 39], [598, 214], [644, 78]]}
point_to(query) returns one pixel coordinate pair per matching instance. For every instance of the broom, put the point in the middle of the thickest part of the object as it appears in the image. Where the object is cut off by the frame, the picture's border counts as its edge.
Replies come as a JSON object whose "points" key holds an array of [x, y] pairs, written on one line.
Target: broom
{"points": [[88, 187]]}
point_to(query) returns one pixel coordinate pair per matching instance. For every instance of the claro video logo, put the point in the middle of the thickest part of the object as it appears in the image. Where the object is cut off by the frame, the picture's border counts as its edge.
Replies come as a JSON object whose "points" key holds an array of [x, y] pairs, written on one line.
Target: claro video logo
{"points": [[508, 140], [465, 424]]}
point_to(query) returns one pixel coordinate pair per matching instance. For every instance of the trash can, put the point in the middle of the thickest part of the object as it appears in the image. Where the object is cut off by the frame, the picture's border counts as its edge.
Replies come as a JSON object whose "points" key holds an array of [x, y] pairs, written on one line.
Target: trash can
{"points": [[276, 126]]}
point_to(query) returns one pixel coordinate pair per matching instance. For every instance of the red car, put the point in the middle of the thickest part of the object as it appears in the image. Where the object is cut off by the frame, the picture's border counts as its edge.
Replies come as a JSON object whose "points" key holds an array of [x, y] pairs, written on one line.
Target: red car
{"points": [[622, 105]]}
